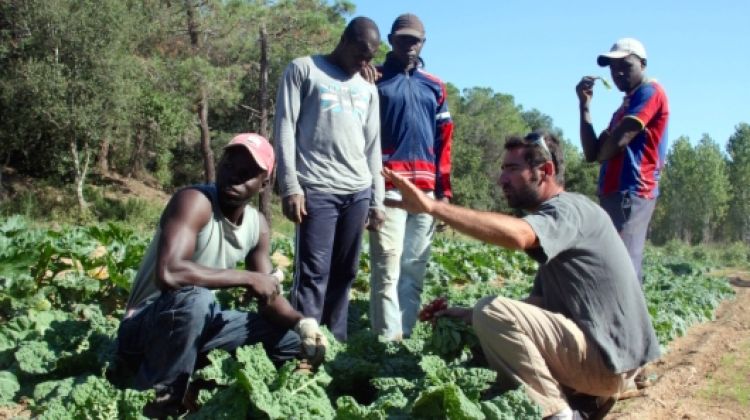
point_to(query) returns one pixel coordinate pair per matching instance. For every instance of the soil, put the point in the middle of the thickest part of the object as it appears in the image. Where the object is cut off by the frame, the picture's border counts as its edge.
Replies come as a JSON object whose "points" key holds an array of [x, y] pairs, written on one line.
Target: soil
{"points": [[118, 186], [704, 374]]}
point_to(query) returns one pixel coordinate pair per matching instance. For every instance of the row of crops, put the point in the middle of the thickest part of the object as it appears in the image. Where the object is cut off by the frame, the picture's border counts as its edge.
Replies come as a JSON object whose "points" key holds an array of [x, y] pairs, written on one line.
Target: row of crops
{"points": [[62, 294]]}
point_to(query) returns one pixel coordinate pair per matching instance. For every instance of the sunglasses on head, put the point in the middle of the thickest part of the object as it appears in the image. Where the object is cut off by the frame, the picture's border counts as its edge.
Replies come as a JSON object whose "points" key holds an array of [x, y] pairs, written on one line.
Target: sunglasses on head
{"points": [[538, 140]]}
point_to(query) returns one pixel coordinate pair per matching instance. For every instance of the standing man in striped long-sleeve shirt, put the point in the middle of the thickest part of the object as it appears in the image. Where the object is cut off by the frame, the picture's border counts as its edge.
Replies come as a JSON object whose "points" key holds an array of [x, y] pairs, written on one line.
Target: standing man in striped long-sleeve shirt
{"points": [[632, 149], [416, 131]]}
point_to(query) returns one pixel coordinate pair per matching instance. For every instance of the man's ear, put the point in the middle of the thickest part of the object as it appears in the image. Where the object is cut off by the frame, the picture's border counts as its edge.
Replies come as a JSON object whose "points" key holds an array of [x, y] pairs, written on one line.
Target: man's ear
{"points": [[390, 40], [549, 168]]}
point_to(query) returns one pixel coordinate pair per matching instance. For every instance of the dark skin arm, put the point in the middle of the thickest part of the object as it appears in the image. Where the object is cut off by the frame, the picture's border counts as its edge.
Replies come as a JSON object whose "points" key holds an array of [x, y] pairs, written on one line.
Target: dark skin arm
{"points": [[293, 207], [375, 220], [186, 214], [612, 144], [279, 311], [607, 145]]}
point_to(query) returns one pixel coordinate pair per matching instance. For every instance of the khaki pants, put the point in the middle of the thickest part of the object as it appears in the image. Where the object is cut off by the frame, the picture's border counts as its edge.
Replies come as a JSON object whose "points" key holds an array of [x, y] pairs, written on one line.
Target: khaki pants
{"points": [[542, 351]]}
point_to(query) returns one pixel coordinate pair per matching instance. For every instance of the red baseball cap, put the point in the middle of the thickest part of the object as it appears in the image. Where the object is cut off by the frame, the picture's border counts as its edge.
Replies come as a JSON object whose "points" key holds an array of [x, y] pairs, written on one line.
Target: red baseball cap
{"points": [[260, 149]]}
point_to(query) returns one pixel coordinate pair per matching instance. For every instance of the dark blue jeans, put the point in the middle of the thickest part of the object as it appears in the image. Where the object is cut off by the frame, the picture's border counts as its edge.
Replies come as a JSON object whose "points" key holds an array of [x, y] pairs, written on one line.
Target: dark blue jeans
{"points": [[631, 215], [327, 246], [166, 336]]}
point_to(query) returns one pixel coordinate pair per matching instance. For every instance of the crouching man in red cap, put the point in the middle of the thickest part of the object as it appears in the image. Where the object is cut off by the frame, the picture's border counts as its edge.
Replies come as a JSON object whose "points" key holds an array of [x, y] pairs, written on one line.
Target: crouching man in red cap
{"points": [[172, 316]]}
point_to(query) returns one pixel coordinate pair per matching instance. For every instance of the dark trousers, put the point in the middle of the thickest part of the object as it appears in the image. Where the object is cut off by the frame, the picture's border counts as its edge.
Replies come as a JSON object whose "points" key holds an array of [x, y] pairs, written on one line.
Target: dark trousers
{"points": [[631, 215], [164, 338], [327, 252]]}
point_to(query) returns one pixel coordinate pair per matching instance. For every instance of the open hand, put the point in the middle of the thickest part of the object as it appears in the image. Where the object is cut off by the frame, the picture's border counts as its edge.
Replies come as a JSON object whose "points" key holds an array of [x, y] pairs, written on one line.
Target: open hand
{"points": [[413, 199], [370, 73], [264, 287], [458, 312]]}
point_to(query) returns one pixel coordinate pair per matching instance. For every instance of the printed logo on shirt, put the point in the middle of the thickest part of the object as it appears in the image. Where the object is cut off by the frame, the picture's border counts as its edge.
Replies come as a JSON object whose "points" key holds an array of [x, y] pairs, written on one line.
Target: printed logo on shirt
{"points": [[337, 98]]}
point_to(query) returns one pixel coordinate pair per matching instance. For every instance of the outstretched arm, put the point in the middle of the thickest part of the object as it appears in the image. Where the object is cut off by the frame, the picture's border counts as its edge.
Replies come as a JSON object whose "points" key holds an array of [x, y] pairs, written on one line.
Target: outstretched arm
{"points": [[495, 228]]}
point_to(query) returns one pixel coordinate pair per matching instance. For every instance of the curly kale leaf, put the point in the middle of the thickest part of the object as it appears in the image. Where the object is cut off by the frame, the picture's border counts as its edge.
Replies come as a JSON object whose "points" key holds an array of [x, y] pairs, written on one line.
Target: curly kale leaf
{"points": [[225, 403], [512, 405], [36, 357], [446, 401], [47, 390], [255, 363], [93, 397], [9, 386], [451, 337], [221, 368], [471, 380]]}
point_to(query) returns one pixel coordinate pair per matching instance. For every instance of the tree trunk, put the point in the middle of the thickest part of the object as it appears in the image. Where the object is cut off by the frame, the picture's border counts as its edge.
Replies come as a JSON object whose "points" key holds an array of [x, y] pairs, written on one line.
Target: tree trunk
{"points": [[103, 159], [208, 154], [80, 171], [264, 204], [2, 168], [136, 159]]}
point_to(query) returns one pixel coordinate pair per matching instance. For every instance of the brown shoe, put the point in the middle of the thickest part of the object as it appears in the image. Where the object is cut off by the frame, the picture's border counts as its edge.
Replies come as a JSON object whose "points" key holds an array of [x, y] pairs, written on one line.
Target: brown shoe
{"points": [[644, 381]]}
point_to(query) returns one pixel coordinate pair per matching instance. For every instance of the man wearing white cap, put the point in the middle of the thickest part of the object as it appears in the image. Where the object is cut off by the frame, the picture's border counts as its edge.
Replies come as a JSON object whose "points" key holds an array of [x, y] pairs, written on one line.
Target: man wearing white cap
{"points": [[172, 317], [632, 148]]}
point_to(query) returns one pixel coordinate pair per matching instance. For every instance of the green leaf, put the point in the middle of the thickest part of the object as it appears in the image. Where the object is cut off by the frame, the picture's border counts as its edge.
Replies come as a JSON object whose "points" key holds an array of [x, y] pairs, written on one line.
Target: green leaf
{"points": [[221, 368], [36, 357], [512, 405], [255, 363], [9, 386]]}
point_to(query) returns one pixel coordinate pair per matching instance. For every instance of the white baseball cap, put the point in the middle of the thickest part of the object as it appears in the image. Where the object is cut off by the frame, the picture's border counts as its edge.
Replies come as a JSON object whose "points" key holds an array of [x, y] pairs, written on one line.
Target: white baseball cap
{"points": [[622, 48]]}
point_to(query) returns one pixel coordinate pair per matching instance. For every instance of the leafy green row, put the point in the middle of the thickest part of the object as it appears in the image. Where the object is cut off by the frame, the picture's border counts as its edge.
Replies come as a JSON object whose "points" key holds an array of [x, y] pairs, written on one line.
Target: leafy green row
{"points": [[62, 292]]}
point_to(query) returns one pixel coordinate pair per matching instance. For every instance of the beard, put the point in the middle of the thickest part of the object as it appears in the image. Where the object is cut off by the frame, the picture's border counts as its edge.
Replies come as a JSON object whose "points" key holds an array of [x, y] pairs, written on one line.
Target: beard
{"points": [[525, 197]]}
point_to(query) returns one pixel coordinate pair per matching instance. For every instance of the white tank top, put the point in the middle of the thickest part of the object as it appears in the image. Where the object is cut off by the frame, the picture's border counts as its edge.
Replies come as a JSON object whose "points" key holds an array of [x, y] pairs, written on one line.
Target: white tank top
{"points": [[220, 244]]}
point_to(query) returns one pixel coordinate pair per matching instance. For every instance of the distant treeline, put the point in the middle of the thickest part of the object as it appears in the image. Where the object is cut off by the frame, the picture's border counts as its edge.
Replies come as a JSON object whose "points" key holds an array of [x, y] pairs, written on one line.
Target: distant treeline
{"points": [[153, 88]]}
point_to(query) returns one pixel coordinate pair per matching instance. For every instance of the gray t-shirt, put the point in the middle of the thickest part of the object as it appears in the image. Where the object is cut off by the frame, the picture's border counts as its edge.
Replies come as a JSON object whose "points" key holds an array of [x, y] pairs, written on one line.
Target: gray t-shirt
{"points": [[585, 274], [327, 130], [220, 244]]}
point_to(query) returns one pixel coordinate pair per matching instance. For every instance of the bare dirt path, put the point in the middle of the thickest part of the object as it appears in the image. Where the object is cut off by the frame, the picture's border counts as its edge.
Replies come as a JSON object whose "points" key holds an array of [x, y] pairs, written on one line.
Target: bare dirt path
{"points": [[706, 373]]}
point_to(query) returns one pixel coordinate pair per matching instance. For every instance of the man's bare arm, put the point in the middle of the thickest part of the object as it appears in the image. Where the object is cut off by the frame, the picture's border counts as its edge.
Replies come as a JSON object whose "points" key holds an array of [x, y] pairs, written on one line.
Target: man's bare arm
{"points": [[495, 228], [279, 311], [585, 91], [186, 214], [610, 144]]}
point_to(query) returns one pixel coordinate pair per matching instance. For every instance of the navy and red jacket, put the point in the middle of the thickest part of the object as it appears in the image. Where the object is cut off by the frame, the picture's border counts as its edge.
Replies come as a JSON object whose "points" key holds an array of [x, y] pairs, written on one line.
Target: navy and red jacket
{"points": [[416, 129]]}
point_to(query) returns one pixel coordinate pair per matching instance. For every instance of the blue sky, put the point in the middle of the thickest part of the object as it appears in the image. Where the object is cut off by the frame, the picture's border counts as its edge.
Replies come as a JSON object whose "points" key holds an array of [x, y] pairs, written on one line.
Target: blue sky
{"points": [[538, 50]]}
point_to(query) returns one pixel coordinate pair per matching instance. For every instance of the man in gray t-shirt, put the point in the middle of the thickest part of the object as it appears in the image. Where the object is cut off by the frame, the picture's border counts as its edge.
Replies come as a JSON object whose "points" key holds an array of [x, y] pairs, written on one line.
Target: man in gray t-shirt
{"points": [[585, 328]]}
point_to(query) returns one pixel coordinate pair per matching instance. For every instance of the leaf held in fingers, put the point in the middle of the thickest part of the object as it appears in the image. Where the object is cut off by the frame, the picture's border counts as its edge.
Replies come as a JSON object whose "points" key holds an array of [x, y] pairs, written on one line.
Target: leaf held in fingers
{"points": [[605, 82]]}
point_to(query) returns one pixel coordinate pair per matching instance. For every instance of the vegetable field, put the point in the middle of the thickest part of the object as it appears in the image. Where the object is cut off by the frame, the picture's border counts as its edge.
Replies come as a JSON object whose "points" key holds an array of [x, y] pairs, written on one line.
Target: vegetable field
{"points": [[62, 294]]}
